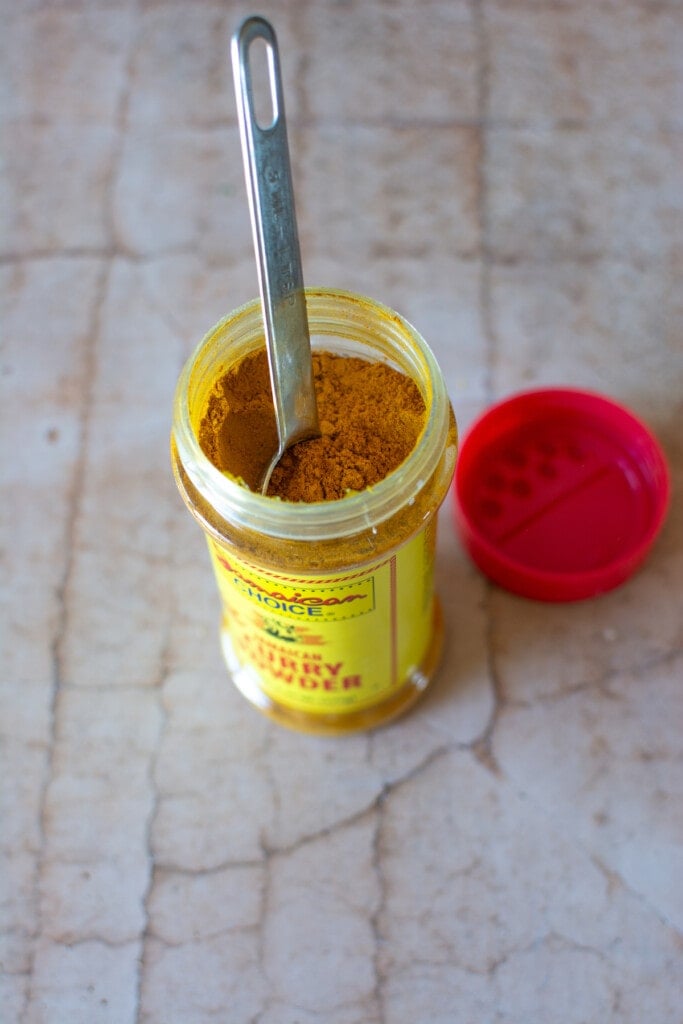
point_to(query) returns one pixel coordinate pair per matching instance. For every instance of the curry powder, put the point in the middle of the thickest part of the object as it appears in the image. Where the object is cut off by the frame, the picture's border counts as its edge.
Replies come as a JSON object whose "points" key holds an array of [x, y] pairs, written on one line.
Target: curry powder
{"points": [[370, 418]]}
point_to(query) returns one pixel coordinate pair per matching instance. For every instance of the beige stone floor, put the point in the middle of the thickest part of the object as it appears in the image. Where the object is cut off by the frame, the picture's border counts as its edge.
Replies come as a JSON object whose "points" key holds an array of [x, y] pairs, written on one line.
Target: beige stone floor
{"points": [[507, 174]]}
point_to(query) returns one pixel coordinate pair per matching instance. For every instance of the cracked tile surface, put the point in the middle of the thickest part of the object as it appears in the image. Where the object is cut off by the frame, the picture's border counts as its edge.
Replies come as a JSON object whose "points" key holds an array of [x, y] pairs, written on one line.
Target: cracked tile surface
{"points": [[506, 173]]}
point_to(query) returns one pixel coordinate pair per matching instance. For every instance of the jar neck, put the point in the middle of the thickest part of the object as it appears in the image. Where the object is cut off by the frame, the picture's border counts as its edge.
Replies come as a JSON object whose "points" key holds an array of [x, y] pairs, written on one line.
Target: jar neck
{"points": [[344, 323]]}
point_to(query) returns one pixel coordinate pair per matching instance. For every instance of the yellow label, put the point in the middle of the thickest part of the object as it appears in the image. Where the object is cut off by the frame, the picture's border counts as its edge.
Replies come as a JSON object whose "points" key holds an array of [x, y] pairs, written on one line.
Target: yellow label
{"points": [[327, 643]]}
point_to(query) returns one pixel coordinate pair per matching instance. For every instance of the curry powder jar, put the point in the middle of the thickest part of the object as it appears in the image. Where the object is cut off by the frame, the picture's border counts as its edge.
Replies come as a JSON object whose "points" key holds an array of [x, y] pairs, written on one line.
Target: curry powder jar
{"points": [[330, 619]]}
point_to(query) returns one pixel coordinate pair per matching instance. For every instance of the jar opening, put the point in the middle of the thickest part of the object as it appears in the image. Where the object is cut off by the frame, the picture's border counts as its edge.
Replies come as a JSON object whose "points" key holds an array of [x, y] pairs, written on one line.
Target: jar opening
{"points": [[345, 324]]}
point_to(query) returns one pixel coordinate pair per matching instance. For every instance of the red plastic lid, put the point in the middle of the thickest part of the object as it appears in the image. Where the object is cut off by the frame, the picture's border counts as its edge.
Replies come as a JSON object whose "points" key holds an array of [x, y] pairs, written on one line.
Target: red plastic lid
{"points": [[559, 494]]}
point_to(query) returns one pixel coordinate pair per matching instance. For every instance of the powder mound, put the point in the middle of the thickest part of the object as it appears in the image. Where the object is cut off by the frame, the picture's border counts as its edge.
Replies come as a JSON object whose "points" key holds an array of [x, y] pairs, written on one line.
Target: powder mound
{"points": [[370, 418]]}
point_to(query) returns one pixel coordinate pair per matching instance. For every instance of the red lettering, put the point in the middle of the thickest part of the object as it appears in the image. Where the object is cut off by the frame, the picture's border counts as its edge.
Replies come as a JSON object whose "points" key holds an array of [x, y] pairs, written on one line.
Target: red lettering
{"points": [[283, 677]]}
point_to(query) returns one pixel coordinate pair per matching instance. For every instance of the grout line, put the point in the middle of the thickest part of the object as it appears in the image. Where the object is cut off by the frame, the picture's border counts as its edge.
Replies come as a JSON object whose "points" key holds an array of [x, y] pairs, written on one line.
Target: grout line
{"points": [[483, 94], [376, 917], [124, 127], [306, 121]]}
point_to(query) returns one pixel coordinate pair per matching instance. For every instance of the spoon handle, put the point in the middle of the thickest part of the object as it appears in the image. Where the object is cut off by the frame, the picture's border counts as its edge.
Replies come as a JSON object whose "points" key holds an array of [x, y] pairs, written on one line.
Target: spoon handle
{"points": [[276, 240]]}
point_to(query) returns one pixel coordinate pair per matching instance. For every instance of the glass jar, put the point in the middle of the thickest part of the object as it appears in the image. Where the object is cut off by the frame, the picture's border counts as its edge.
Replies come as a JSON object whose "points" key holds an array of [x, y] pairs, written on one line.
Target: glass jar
{"points": [[330, 620]]}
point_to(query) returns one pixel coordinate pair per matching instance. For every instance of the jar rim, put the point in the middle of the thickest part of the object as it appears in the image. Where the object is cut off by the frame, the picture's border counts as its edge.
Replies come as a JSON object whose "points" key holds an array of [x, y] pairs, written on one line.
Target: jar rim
{"points": [[342, 314]]}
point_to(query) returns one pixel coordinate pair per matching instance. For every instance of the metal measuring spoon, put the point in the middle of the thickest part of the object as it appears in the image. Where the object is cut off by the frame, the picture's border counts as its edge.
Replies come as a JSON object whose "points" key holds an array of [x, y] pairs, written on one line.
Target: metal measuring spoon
{"points": [[276, 241]]}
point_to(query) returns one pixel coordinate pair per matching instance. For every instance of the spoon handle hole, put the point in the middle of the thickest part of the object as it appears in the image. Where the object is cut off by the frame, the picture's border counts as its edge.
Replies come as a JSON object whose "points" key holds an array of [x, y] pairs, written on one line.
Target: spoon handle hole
{"points": [[262, 83], [256, 63]]}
